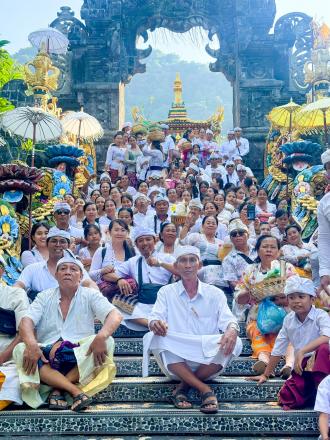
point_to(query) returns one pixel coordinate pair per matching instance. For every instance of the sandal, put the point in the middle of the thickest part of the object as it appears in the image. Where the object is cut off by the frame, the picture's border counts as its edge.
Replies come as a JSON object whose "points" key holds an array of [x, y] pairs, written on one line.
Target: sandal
{"points": [[286, 372], [56, 406], [206, 401], [180, 397], [85, 401], [259, 367]]}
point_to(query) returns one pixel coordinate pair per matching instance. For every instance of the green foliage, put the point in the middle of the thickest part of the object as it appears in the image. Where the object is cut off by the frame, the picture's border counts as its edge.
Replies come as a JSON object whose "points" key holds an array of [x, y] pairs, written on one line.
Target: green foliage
{"points": [[9, 70], [203, 90]]}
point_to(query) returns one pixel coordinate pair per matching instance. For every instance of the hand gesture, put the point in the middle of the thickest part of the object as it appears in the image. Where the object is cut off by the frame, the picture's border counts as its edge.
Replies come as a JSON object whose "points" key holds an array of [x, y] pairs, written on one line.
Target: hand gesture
{"points": [[325, 284], [124, 287], [228, 341], [260, 379], [190, 220], [99, 349], [108, 269], [152, 261], [159, 327], [31, 355]]}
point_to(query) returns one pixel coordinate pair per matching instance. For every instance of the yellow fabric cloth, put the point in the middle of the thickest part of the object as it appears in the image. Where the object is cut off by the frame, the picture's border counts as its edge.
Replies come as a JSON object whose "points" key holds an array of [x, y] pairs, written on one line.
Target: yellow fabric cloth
{"points": [[260, 343], [303, 273], [92, 379], [3, 403]]}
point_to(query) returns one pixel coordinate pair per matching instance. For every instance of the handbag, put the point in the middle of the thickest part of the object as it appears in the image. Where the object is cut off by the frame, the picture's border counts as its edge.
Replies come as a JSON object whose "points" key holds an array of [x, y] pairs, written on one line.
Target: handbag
{"points": [[147, 293], [7, 322]]}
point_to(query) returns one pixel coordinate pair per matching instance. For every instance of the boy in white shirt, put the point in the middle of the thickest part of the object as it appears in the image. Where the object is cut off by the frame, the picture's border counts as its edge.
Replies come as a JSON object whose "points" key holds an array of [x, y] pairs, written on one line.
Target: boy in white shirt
{"points": [[308, 330], [322, 405]]}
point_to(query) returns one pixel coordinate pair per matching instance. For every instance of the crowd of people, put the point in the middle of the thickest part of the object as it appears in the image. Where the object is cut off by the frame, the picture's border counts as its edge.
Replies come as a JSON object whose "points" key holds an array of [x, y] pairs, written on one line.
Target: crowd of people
{"points": [[180, 239]]}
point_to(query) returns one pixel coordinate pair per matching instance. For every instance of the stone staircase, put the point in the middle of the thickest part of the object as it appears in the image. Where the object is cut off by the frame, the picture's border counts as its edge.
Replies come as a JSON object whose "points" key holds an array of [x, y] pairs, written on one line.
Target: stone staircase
{"points": [[139, 408]]}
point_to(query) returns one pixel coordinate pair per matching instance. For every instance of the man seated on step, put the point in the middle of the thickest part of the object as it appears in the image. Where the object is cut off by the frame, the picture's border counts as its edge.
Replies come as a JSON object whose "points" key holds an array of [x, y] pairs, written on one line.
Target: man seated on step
{"points": [[37, 277], [151, 270], [59, 347], [13, 305], [193, 334], [62, 211]]}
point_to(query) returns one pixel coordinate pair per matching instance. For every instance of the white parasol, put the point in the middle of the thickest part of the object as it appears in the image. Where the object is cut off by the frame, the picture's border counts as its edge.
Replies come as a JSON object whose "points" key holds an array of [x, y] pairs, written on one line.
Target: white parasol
{"points": [[83, 126], [31, 123], [51, 39]]}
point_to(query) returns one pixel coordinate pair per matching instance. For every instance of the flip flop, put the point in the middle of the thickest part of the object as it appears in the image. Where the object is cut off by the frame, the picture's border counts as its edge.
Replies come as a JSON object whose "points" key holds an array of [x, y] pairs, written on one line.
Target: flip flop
{"points": [[180, 397], [206, 401], [56, 406], [83, 404]]}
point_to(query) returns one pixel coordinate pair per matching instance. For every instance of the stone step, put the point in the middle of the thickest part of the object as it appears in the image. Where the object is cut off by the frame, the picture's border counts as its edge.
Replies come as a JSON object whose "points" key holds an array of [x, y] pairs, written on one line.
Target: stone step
{"points": [[134, 346], [166, 437], [159, 389], [132, 366], [124, 332], [237, 419]]}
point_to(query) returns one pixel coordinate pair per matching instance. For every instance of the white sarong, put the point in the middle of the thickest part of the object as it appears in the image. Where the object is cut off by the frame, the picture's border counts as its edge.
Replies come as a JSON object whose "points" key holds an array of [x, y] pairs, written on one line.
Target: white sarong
{"points": [[10, 389], [198, 349]]}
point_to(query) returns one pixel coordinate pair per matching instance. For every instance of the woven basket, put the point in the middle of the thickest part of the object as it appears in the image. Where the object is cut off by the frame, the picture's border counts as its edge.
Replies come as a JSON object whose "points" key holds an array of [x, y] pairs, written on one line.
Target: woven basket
{"points": [[178, 220], [156, 135], [267, 287]]}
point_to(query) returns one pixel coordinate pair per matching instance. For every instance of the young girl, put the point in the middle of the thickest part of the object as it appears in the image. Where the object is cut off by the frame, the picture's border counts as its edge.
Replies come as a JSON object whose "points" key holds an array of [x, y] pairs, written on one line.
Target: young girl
{"points": [[308, 330], [92, 235]]}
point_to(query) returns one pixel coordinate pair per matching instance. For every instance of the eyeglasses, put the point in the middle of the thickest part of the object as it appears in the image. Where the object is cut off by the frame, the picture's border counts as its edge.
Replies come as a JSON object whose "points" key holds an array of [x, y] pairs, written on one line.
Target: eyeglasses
{"points": [[61, 242], [62, 211], [229, 166], [237, 234]]}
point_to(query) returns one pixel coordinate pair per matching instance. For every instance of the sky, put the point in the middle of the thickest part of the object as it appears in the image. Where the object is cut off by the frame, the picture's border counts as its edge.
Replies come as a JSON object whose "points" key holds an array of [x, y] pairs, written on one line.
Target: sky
{"points": [[20, 17]]}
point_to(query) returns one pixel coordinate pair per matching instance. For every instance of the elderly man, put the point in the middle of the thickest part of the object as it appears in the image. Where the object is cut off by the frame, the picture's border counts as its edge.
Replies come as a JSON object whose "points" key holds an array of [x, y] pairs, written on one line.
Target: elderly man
{"points": [[214, 167], [239, 161], [151, 270], [194, 334], [59, 346], [62, 212], [13, 305], [141, 204], [242, 144], [323, 218], [37, 277]]}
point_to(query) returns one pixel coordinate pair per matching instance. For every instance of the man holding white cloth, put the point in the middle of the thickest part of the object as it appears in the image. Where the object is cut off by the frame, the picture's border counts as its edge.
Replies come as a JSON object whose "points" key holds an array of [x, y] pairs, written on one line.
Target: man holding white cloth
{"points": [[193, 334]]}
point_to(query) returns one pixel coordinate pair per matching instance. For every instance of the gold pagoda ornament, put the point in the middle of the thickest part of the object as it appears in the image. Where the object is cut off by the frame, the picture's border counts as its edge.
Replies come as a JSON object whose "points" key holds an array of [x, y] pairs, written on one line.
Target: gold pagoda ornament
{"points": [[317, 70], [178, 109], [41, 75]]}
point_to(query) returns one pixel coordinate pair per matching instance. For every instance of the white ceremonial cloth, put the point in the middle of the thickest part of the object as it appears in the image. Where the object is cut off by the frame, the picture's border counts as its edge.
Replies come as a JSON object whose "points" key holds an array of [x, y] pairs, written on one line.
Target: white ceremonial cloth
{"points": [[86, 306], [244, 148], [10, 389], [323, 219], [194, 325]]}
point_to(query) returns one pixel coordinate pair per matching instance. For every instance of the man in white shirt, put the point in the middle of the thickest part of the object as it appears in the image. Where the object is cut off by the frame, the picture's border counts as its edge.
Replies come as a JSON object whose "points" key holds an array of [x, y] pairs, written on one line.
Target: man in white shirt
{"points": [[14, 304], [186, 324], [242, 144], [141, 204], [65, 315], [61, 215], [152, 267], [37, 277], [214, 167], [228, 149], [323, 218], [154, 222]]}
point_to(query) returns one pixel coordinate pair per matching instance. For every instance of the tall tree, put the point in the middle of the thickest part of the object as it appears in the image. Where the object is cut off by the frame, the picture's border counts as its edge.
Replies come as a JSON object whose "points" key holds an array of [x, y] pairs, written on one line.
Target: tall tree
{"points": [[9, 70]]}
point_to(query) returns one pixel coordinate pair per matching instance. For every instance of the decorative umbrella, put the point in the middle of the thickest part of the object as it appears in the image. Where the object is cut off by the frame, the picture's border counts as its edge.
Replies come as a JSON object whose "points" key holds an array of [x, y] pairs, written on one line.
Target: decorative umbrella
{"points": [[52, 39], [284, 115], [315, 115], [32, 123], [83, 126]]}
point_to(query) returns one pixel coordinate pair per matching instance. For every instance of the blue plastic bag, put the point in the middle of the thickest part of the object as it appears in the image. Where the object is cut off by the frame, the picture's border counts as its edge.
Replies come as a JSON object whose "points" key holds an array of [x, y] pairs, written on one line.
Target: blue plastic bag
{"points": [[270, 317]]}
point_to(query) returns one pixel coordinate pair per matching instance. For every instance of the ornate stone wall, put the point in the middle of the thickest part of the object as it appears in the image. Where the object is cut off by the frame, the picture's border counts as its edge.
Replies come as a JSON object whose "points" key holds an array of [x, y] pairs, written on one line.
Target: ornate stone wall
{"points": [[264, 68]]}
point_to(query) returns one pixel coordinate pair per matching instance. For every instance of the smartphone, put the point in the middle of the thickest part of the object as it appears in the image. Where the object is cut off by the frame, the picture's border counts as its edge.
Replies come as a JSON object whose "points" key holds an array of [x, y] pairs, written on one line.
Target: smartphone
{"points": [[251, 212]]}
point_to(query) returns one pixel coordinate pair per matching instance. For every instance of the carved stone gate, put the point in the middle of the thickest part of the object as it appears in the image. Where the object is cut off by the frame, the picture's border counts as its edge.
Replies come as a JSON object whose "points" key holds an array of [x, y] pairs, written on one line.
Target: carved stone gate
{"points": [[265, 69]]}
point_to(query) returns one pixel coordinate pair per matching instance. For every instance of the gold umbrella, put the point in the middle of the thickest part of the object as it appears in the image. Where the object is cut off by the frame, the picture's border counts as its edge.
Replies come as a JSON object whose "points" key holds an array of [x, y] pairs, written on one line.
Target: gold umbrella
{"points": [[315, 115], [284, 116]]}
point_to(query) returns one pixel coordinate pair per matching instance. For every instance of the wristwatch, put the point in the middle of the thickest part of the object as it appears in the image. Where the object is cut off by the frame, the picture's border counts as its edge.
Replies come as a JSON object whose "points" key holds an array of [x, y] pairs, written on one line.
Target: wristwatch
{"points": [[234, 325]]}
